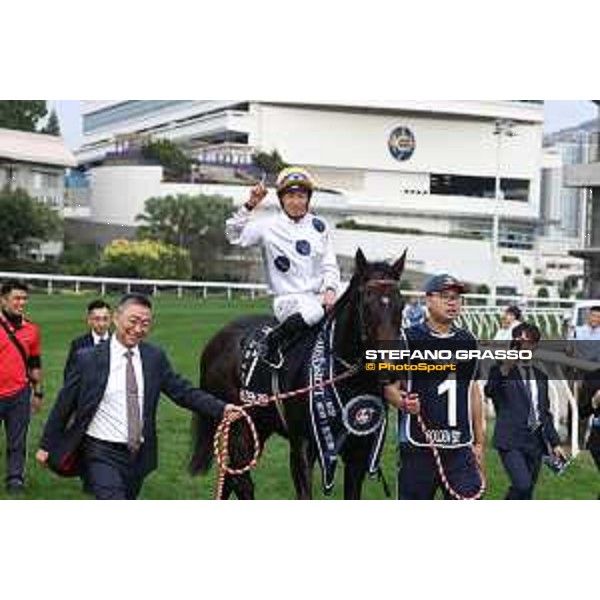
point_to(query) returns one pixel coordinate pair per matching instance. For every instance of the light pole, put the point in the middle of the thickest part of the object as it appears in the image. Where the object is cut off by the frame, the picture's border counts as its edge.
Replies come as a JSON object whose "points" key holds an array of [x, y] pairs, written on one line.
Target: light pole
{"points": [[502, 128]]}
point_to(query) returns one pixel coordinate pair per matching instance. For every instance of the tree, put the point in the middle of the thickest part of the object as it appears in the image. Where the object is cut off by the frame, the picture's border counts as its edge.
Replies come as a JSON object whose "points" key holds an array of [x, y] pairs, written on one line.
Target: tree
{"points": [[22, 114], [175, 162], [146, 259], [196, 223], [25, 223], [270, 163], [80, 259], [52, 126]]}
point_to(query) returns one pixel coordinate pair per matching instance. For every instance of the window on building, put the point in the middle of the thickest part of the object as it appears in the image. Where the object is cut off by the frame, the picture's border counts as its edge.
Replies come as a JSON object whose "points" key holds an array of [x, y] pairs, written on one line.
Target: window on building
{"points": [[516, 235], [505, 290], [463, 185], [479, 187], [45, 180], [515, 189]]}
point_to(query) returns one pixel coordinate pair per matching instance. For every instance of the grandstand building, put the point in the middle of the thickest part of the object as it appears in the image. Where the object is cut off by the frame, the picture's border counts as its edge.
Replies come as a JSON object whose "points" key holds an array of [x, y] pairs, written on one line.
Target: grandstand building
{"points": [[458, 182]]}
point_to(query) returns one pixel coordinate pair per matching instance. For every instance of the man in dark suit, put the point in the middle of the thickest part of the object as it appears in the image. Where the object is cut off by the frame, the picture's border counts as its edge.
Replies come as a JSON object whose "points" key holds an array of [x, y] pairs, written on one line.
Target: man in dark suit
{"points": [[103, 424], [98, 320], [524, 430]]}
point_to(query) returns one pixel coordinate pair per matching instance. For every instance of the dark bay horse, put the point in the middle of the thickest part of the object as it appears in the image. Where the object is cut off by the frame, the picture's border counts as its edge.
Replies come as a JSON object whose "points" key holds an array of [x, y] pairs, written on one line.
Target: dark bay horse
{"points": [[368, 314]]}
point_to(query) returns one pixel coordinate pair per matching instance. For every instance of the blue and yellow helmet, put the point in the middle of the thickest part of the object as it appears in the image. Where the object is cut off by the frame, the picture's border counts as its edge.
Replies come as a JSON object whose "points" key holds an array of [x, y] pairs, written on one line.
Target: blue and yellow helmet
{"points": [[295, 178]]}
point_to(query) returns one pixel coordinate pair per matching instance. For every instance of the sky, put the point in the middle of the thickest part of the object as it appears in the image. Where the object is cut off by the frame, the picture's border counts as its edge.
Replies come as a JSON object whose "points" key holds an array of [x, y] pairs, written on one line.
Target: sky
{"points": [[558, 114]]}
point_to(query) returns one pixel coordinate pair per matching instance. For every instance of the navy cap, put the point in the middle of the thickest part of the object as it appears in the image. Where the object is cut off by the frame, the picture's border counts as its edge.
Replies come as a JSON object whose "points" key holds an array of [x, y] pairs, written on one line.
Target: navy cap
{"points": [[439, 283]]}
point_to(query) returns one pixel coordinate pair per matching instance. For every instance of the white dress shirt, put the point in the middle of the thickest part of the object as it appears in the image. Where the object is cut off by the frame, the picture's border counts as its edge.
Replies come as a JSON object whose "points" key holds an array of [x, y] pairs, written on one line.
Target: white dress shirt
{"points": [[532, 386], [110, 421], [97, 339]]}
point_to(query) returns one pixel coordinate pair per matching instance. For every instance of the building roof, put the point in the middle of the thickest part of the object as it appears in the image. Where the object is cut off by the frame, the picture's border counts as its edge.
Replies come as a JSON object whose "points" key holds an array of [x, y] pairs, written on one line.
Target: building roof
{"points": [[38, 148]]}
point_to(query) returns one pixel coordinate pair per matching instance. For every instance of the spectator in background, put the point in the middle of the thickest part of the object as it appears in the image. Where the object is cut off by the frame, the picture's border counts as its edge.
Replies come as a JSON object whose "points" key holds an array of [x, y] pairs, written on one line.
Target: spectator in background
{"points": [[98, 320], [524, 430], [585, 344], [414, 312], [511, 318]]}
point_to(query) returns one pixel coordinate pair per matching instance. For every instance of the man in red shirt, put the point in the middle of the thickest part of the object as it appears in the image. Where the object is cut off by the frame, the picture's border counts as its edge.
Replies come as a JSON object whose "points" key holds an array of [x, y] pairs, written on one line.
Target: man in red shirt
{"points": [[20, 374]]}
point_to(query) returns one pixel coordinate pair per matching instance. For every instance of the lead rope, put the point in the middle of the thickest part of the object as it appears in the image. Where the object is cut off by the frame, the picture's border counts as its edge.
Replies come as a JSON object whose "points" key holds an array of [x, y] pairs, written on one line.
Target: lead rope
{"points": [[221, 449], [438, 461], [249, 399]]}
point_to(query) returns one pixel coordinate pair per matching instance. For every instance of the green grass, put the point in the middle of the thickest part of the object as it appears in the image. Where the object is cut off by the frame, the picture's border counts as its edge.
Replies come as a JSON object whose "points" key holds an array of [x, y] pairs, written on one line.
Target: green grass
{"points": [[182, 328]]}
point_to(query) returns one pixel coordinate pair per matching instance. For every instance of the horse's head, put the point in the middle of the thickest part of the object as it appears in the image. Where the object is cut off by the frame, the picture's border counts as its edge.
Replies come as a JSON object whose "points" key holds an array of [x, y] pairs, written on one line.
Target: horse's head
{"points": [[379, 301]]}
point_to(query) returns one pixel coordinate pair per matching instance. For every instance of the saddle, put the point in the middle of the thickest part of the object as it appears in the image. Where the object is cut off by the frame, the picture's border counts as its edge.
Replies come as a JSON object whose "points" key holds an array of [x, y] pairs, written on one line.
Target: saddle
{"points": [[261, 376]]}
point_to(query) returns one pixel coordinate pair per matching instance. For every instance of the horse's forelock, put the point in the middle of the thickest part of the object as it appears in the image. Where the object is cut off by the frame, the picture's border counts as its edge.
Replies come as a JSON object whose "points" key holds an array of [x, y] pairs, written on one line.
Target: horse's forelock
{"points": [[379, 270]]}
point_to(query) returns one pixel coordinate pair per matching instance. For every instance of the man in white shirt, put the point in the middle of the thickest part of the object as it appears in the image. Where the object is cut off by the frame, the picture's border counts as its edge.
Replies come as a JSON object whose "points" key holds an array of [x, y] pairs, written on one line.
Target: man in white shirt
{"points": [[511, 318], [585, 342], [103, 424], [98, 320], [300, 261]]}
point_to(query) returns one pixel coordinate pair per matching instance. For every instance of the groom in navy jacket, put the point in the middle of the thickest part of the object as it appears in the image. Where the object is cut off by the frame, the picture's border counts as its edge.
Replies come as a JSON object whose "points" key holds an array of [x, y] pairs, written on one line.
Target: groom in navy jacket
{"points": [[524, 430], [103, 424]]}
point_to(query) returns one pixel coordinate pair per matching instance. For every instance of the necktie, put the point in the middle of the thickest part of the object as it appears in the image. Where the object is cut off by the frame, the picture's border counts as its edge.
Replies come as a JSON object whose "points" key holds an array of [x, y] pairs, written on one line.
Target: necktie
{"points": [[532, 420], [134, 421]]}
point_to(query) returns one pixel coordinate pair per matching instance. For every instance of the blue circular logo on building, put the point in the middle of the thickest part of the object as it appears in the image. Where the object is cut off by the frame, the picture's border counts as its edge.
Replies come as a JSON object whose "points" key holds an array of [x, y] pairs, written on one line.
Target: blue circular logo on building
{"points": [[318, 225], [402, 143], [303, 247], [282, 263]]}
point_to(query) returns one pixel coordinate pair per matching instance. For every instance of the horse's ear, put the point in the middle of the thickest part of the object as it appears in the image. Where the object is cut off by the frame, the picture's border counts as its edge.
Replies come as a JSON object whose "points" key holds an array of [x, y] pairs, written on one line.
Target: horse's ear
{"points": [[360, 262], [398, 266]]}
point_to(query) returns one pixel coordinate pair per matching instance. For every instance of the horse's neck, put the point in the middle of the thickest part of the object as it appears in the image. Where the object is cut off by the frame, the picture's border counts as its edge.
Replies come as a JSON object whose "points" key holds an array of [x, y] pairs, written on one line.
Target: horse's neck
{"points": [[347, 342]]}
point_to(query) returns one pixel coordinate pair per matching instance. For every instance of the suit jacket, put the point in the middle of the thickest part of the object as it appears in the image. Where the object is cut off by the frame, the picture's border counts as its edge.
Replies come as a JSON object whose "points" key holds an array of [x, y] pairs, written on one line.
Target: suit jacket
{"points": [[512, 405], [84, 341], [78, 401]]}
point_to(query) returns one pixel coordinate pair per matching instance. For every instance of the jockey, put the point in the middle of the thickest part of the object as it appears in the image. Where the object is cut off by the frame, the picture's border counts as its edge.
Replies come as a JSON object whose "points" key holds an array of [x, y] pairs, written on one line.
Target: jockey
{"points": [[300, 262]]}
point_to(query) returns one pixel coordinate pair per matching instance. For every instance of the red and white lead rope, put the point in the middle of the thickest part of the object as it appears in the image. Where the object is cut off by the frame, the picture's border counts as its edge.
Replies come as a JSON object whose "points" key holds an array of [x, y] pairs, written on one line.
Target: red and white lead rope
{"points": [[221, 449], [248, 398], [438, 460]]}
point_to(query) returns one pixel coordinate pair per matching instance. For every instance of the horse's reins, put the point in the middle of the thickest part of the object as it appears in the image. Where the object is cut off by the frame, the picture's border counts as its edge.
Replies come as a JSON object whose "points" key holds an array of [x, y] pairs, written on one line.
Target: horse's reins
{"points": [[250, 399]]}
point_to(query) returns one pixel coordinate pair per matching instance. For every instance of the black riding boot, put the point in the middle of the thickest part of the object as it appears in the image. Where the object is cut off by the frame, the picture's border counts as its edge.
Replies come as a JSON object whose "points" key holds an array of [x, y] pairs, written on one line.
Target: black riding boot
{"points": [[283, 336]]}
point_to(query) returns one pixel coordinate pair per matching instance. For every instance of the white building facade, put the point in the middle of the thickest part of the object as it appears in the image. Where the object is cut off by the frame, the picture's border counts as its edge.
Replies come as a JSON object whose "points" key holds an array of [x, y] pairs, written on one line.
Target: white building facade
{"points": [[427, 174]]}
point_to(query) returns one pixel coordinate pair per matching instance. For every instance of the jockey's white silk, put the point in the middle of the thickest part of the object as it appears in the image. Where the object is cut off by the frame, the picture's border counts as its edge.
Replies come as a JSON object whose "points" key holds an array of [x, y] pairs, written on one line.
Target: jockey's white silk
{"points": [[299, 259]]}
